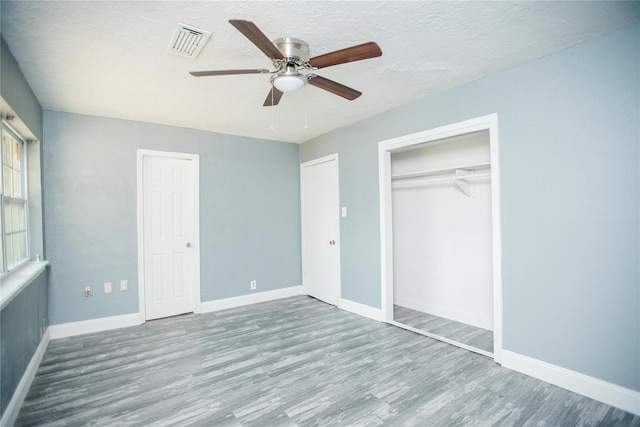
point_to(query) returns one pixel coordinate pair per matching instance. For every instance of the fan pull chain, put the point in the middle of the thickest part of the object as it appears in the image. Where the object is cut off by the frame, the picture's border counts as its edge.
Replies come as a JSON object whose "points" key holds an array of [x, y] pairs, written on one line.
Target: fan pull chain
{"points": [[306, 124], [273, 126]]}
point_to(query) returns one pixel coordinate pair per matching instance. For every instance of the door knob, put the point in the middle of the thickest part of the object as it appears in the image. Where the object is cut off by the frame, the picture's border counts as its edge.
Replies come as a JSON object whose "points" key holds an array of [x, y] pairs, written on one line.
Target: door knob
{"points": [[188, 244], [332, 242]]}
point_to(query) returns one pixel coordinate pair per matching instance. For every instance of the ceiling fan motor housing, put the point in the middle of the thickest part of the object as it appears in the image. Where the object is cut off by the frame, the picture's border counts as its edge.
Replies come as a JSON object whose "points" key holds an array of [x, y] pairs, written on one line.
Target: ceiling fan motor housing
{"points": [[295, 51], [296, 55]]}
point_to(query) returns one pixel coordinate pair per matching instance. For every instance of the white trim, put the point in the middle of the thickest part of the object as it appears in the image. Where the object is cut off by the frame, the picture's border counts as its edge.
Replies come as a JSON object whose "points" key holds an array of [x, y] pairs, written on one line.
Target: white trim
{"points": [[196, 234], [496, 230], [320, 160], [15, 281], [443, 132], [141, 154], [603, 391], [385, 148], [139, 230], [441, 338], [223, 304], [386, 234], [360, 309], [71, 329], [114, 322], [13, 408]]}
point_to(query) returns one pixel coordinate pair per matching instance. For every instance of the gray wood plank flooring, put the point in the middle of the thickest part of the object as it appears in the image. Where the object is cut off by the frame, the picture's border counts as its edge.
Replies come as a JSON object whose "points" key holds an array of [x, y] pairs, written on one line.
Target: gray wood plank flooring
{"points": [[461, 332], [291, 362]]}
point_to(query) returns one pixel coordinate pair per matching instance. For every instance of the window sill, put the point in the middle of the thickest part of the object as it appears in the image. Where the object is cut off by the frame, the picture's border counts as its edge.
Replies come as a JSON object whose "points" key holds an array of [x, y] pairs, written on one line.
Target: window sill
{"points": [[13, 283]]}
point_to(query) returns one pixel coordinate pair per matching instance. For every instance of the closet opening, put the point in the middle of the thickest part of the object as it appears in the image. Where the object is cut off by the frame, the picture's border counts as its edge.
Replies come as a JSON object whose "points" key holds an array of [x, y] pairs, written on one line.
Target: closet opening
{"points": [[440, 222]]}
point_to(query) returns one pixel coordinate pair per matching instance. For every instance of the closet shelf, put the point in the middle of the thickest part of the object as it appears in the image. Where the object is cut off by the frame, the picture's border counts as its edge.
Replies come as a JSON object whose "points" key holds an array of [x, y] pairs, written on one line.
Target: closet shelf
{"points": [[463, 177], [439, 171]]}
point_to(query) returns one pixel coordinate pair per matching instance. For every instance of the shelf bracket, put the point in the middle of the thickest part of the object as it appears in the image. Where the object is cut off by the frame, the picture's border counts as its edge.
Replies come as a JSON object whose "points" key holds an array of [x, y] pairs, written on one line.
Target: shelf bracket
{"points": [[461, 177]]}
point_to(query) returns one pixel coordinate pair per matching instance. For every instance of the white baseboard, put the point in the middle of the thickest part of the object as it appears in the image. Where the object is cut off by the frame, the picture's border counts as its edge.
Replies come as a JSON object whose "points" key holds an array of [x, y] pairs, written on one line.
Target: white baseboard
{"points": [[95, 325], [114, 322], [360, 309], [13, 408], [611, 394], [223, 304]]}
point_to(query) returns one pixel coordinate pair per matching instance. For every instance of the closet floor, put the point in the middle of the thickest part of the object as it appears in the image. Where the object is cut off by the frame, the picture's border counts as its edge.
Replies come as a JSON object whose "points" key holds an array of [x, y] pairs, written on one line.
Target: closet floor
{"points": [[461, 332]]}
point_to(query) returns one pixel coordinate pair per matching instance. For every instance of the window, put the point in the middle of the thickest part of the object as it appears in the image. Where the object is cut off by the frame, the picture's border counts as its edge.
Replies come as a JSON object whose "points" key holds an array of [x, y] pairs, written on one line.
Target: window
{"points": [[13, 201]]}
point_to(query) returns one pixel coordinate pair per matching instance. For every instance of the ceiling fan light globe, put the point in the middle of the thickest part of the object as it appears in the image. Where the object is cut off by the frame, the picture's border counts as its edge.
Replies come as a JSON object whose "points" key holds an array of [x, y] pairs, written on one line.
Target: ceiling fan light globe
{"points": [[288, 83]]}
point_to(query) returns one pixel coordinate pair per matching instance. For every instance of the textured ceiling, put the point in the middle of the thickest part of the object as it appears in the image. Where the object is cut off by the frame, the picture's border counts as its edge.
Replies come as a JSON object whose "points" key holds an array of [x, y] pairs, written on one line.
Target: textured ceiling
{"points": [[109, 58]]}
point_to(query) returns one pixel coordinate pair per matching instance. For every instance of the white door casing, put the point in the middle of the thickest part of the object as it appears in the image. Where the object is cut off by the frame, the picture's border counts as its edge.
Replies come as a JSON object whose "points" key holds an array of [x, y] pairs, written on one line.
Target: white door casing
{"points": [[168, 246], [321, 228], [385, 148]]}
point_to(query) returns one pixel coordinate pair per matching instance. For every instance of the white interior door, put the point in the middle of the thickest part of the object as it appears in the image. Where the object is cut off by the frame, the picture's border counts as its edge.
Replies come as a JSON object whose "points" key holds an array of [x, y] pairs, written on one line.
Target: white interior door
{"points": [[169, 217], [321, 229]]}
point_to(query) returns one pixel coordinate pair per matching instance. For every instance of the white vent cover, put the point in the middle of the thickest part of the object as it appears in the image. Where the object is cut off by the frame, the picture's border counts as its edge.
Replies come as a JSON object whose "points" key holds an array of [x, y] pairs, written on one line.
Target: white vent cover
{"points": [[188, 41]]}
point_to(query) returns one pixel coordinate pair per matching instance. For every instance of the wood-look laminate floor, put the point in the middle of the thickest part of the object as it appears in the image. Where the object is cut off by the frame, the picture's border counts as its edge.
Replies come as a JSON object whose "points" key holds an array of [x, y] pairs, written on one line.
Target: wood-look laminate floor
{"points": [[291, 362], [461, 332]]}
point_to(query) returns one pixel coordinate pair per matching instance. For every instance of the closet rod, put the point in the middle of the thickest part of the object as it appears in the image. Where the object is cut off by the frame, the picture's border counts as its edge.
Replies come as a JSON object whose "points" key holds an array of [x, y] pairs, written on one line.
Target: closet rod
{"points": [[440, 171], [445, 179], [477, 175], [464, 182]]}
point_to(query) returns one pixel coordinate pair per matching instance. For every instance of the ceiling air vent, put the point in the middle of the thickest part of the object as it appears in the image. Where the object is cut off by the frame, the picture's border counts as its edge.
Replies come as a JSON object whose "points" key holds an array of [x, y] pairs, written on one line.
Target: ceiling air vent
{"points": [[188, 41]]}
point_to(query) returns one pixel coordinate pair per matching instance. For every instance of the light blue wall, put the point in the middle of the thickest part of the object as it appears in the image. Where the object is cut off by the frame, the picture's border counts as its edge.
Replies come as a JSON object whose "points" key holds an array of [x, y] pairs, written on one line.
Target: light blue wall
{"points": [[569, 128], [249, 211], [17, 92], [24, 320]]}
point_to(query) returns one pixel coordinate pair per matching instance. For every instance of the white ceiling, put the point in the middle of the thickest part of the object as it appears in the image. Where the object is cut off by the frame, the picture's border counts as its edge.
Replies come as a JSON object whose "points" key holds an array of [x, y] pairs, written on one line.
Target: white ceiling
{"points": [[109, 58]]}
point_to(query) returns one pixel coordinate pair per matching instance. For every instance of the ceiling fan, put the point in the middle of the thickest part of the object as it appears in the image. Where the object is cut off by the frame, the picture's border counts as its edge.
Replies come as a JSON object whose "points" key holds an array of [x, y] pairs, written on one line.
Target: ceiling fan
{"points": [[289, 57]]}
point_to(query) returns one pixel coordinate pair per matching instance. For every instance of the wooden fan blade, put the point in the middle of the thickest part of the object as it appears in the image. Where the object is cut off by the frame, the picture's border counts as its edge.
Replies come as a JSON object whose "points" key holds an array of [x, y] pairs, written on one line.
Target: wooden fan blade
{"points": [[225, 72], [257, 37], [334, 87], [273, 98], [349, 54]]}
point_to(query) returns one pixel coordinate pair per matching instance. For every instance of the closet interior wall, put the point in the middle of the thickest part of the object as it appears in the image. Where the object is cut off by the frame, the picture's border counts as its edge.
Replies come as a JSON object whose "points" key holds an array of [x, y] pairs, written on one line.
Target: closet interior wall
{"points": [[442, 239]]}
